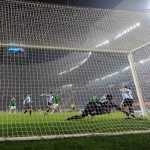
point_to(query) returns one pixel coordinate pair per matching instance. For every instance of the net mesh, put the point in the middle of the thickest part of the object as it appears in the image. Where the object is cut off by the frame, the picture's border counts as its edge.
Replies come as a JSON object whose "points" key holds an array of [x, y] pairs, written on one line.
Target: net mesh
{"points": [[76, 53]]}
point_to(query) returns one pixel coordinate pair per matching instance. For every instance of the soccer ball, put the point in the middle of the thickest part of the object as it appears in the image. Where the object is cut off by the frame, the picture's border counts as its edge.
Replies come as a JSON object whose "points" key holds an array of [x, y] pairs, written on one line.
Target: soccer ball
{"points": [[141, 117]]}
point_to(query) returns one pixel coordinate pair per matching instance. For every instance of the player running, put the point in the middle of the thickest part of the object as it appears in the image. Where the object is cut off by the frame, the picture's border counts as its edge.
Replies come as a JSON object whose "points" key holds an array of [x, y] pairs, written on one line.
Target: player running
{"points": [[12, 105], [27, 103], [57, 102], [96, 107], [49, 98], [126, 105]]}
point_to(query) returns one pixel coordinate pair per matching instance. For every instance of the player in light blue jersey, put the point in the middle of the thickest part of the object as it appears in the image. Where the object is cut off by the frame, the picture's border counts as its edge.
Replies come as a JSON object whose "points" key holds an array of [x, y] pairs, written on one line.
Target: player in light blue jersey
{"points": [[49, 98], [127, 102], [27, 103]]}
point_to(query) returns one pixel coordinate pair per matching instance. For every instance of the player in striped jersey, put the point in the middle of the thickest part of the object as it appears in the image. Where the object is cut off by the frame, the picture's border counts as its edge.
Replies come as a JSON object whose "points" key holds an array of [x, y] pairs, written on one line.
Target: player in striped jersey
{"points": [[27, 103], [126, 105], [49, 98]]}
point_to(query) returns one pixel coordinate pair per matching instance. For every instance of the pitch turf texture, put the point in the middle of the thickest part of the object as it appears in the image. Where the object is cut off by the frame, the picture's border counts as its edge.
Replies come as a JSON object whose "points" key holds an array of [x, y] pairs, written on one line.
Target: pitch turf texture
{"points": [[121, 142], [54, 124]]}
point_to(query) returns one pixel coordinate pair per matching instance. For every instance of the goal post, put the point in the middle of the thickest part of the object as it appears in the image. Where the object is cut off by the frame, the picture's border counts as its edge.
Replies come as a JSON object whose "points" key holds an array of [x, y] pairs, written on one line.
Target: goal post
{"points": [[137, 85], [56, 61]]}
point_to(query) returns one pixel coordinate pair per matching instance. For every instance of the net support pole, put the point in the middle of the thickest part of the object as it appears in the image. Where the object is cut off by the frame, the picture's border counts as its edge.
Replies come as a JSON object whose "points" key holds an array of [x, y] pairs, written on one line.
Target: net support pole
{"points": [[137, 84]]}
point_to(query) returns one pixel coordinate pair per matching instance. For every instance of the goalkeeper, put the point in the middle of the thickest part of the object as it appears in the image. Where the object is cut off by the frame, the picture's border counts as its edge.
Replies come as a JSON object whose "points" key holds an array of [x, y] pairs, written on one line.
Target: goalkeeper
{"points": [[12, 105], [27, 103], [96, 107]]}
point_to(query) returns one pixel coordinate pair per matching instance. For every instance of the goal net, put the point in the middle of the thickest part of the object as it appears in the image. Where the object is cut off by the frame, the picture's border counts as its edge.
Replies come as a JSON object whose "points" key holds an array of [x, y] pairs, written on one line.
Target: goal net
{"points": [[56, 61]]}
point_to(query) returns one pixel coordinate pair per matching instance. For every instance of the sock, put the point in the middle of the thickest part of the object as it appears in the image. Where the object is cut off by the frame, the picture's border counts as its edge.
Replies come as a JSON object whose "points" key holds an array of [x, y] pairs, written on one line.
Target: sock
{"points": [[126, 113], [25, 112], [131, 110]]}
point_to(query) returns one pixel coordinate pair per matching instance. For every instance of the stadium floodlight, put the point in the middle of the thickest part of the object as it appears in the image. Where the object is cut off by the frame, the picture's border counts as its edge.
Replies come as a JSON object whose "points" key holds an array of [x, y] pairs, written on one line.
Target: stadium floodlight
{"points": [[89, 54], [63, 72], [69, 85], [97, 79], [74, 68], [103, 43], [110, 75], [126, 68], [128, 30], [68, 57]]}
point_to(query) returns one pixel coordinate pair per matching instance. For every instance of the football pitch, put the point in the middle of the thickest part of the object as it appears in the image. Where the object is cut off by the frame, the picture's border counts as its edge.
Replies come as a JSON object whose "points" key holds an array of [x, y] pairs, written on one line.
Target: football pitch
{"points": [[121, 142], [38, 124]]}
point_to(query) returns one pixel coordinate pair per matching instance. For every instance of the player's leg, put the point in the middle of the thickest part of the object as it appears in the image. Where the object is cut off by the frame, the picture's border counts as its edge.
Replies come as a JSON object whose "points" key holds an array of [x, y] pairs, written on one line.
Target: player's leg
{"points": [[128, 105], [74, 117], [77, 117], [30, 109], [49, 105], [14, 109], [131, 111], [48, 108], [54, 108], [25, 109], [59, 108], [125, 108], [88, 110], [10, 110]]}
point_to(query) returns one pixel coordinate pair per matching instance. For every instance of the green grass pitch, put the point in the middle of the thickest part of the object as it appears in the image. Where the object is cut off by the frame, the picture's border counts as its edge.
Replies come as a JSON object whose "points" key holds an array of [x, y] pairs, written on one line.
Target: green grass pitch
{"points": [[121, 142], [20, 125]]}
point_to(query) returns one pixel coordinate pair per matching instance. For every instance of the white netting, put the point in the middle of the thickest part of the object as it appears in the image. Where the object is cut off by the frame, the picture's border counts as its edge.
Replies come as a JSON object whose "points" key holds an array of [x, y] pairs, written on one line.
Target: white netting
{"points": [[75, 53]]}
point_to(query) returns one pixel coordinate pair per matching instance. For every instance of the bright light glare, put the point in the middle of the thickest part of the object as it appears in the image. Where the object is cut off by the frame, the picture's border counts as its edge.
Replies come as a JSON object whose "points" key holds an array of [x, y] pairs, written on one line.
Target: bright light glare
{"points": [[103, 43], [138, 24], [126, 68], [128, 30], [97, 79], [74, 68], [69, 85], [63, 72], [110, 75]]}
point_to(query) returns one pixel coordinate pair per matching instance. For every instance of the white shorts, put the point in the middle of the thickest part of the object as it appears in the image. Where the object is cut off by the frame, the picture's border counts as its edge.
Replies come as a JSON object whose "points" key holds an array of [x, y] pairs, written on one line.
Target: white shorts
{"points": [[55, 105], [121, 104], [12, 107]]}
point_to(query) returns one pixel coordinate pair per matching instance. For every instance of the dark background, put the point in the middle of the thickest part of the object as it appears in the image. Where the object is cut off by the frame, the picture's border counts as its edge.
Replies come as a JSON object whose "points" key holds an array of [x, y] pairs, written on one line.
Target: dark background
{"points": [[38, 70], [84, 3]]}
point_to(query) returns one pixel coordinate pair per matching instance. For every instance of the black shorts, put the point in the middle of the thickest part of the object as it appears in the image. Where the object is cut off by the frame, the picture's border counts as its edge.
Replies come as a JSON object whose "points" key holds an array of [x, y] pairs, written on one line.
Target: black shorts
{"points": [[49, 104], [28, 107], [128, 102]]}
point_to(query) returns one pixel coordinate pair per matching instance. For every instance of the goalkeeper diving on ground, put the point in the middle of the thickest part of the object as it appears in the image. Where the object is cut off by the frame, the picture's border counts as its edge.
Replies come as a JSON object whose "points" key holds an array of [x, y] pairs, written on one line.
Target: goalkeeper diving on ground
{"points": [[97, 107], [104, 105]]}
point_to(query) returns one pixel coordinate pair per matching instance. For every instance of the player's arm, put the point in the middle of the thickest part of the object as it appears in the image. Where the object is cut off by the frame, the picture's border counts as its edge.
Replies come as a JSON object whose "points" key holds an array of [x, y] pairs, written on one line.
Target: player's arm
{"points": [[15, 102], [52, 98], [10, 103], [24, 101], [124, 91], [60, 100], [129, 91]]}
